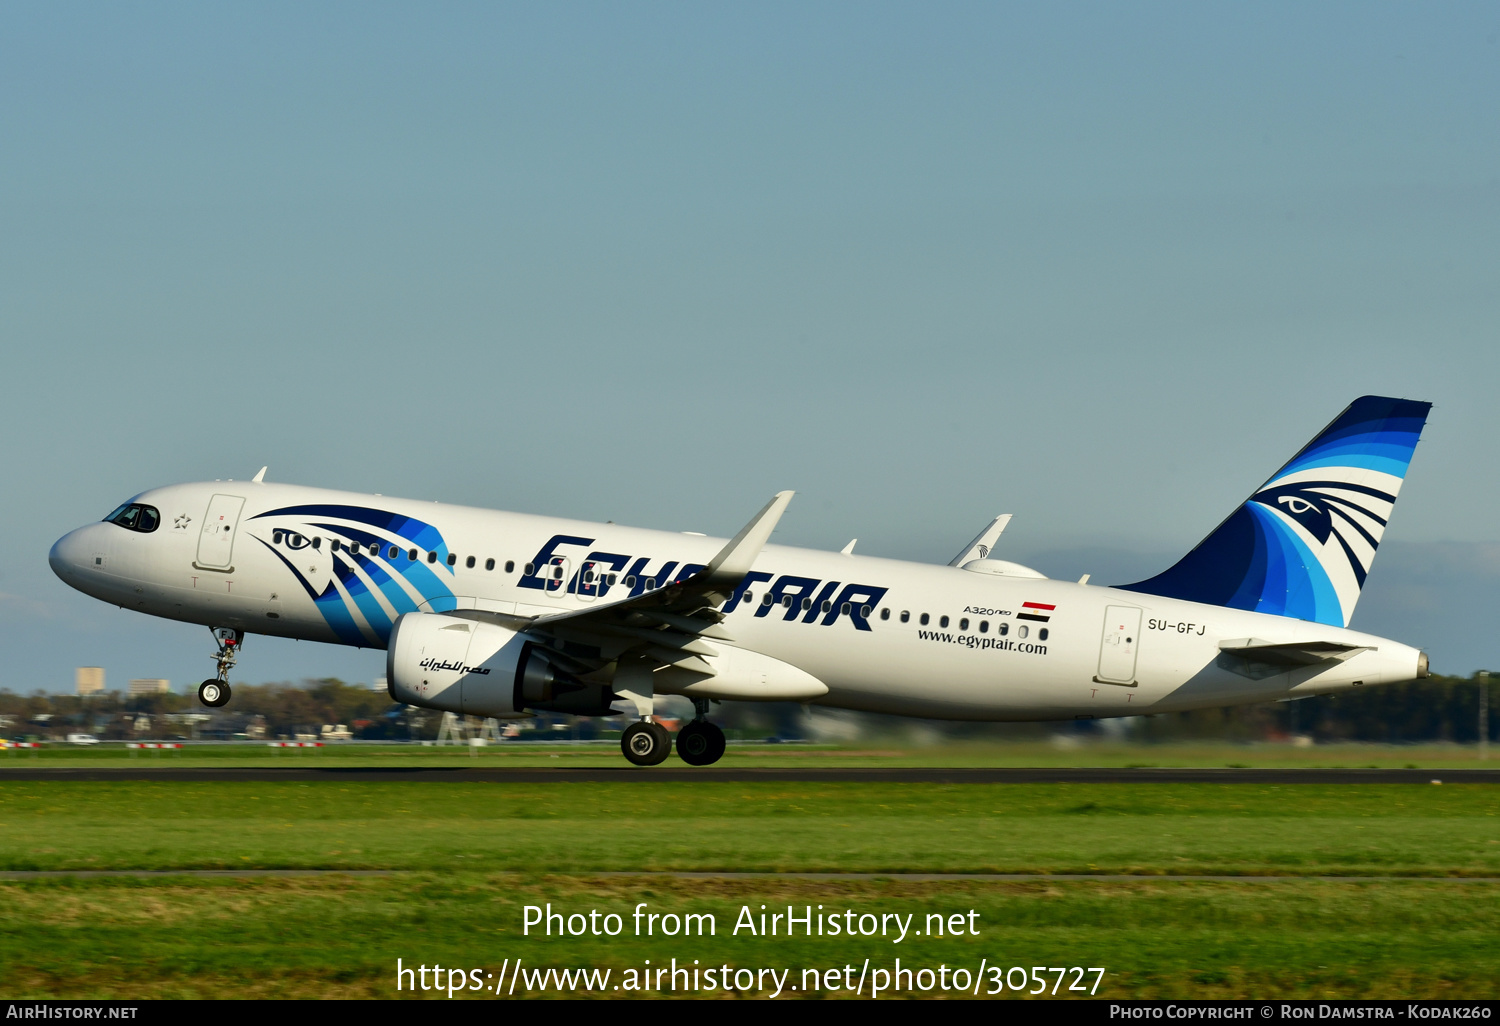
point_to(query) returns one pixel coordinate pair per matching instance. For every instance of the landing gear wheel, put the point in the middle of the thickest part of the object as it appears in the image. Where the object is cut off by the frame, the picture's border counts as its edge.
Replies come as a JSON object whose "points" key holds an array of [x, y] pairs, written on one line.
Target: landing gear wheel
{"points": [[700, 743], [646, 744], [213, 693]]}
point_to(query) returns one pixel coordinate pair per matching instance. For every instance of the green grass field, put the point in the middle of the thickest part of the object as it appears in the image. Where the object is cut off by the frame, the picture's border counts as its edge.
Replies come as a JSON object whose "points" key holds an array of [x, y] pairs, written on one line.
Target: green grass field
{"points": [[466, 858]]}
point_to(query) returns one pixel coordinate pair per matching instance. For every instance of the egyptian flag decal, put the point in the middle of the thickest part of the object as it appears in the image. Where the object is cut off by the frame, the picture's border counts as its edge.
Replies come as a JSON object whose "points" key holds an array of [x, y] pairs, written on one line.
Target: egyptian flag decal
{"points": [[1038, 611]]}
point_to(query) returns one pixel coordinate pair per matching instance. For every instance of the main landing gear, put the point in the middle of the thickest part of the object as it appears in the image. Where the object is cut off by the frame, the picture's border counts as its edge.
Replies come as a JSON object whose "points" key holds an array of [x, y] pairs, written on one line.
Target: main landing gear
{"points": [[646, 743], [700, 743], [215, 692]]}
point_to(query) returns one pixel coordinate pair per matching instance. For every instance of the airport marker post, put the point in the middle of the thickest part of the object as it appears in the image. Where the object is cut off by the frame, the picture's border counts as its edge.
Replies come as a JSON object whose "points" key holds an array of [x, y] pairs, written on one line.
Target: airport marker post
{"points": [[1484, 714]]}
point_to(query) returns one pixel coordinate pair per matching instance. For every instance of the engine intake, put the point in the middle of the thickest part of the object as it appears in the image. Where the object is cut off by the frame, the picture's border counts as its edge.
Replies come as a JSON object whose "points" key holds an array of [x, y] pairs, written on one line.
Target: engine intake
{"points": [[481, 669]]}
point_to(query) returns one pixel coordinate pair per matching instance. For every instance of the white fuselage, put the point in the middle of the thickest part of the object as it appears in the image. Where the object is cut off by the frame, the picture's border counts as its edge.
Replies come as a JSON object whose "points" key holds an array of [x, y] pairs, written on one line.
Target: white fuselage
{"points": [[937, 641]]}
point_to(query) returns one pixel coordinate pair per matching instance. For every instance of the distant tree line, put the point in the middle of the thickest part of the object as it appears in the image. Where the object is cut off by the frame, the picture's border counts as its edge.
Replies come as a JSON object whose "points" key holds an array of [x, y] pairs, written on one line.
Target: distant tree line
{"points": [[1436, 709], [280, 710]]}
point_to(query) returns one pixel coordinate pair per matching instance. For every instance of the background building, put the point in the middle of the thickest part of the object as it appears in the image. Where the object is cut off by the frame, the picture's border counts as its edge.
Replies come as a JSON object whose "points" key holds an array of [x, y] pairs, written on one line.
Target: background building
{"points": [[89, 680], [149, 686]]}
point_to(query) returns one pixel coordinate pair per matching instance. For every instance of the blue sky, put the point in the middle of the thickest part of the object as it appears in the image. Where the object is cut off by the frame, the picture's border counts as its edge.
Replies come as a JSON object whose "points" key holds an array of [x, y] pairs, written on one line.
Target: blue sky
{"points": [[1101, 266]]}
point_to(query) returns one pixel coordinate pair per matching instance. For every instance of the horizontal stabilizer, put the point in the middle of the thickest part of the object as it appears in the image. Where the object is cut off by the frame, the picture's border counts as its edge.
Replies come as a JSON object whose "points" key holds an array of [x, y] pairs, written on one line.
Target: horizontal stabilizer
{"points": [[1259, 660], [1292, 655]]}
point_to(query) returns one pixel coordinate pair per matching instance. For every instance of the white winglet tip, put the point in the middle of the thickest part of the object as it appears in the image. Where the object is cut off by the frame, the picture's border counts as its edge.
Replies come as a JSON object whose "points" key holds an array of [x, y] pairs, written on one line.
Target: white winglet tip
{"points": [[260, 478]]}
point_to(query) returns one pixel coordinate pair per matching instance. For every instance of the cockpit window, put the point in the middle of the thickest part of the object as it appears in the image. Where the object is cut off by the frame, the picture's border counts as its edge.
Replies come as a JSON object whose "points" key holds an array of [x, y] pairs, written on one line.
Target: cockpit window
{"points": [[136, 517]]}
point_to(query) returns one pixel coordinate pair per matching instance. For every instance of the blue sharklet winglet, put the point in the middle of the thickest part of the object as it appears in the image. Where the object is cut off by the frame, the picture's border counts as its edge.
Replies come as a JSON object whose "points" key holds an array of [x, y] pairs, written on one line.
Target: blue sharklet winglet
{"points": [[1302, 545]]}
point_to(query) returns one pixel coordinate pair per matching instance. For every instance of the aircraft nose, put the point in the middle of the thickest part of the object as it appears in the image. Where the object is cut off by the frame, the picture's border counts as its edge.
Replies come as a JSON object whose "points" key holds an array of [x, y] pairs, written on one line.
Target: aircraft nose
{"points": [[69, 552]]}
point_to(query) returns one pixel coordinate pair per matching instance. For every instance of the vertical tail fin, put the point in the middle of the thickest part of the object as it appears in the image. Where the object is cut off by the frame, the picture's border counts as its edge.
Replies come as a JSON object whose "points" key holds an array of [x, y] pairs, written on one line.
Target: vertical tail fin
{"points": [[1303, 543]]}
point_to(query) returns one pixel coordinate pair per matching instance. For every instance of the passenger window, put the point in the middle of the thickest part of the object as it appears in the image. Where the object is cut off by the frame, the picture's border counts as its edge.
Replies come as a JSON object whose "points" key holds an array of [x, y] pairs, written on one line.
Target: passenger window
{"points": [[374, 549], [411, 555], [1002, 629], [1042, 634], [630, 583], [318, 544], [510, 565], [530, 569], [844, 609], [452, 559], [432, 557], [943, 622], [984, 626], [489, 564], [864, 611], [885, 614], [469, 562], [1021, 631], [807, 603], [827, 605], [963, 624], [749, 595], [905, 615], [333, 546], [611, 579], [391, 552], [924, 619]]}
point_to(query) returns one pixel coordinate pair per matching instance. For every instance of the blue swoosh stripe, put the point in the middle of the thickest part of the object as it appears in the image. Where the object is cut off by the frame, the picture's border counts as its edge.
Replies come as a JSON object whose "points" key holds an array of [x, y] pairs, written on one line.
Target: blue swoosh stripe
{"points": [[422, 534]]}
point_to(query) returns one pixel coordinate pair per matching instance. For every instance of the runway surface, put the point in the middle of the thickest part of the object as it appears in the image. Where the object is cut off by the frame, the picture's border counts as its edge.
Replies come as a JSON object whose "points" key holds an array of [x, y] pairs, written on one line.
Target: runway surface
{"points": [[807, 775]]}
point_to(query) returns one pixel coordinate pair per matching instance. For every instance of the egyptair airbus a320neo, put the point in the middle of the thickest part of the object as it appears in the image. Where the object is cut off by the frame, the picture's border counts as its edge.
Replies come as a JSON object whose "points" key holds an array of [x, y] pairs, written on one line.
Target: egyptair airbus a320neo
{"points": [[503, 614]]}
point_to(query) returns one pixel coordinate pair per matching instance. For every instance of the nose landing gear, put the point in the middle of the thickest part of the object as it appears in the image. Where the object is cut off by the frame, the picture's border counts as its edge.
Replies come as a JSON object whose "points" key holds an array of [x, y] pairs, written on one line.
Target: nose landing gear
{"points": [[215, 692]]}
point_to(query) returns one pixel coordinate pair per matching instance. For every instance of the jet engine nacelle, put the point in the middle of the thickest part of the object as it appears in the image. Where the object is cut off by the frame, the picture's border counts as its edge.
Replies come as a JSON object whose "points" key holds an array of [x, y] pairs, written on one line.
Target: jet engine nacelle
{"points": [[481, 669]]}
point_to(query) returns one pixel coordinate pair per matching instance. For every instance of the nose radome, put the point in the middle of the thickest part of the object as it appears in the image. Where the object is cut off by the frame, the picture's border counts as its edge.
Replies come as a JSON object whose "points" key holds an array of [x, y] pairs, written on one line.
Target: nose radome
{"points": [[57, 558], [67, 554]]}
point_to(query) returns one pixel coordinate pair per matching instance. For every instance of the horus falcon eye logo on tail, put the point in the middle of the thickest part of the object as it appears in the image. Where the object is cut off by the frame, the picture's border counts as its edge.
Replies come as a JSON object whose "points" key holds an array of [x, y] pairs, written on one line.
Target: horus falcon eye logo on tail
{"points": [[1349, 515], [1302, 545]]}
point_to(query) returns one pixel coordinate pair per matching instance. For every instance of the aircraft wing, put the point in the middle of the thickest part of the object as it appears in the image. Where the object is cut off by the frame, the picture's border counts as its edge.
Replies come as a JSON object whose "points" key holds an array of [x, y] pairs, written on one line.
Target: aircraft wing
{"points": [[665, 625]]}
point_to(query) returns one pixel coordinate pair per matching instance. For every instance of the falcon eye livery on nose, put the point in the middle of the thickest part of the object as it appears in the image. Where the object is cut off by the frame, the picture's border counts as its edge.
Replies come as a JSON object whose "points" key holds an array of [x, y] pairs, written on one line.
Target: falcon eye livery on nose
{"points": [[506, 614]]}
